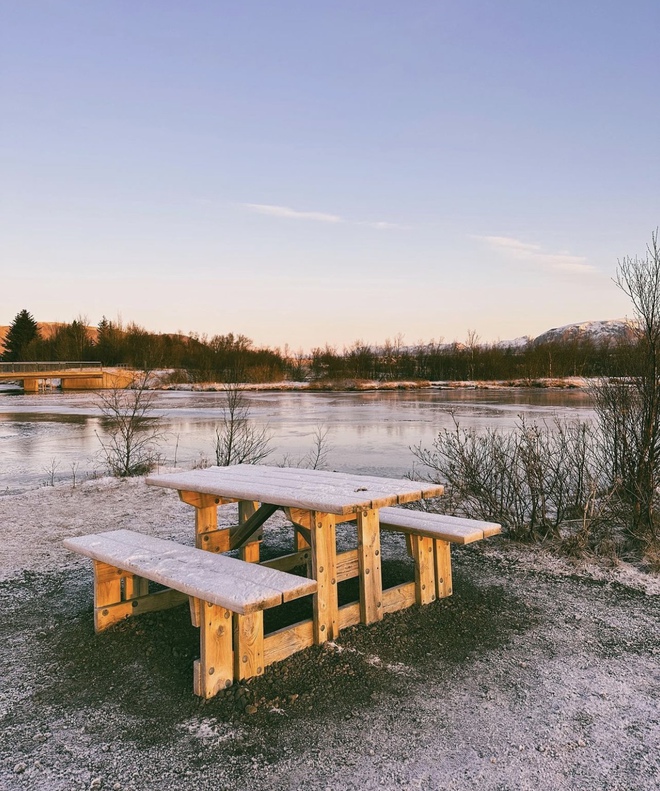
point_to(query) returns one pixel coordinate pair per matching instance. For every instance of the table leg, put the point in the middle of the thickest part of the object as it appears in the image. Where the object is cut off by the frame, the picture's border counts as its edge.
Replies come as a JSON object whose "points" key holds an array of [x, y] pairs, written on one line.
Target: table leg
{"points": [[324, 571], [249, 552], [424, 569], [207, 535], [213, 670], [371, 581]]}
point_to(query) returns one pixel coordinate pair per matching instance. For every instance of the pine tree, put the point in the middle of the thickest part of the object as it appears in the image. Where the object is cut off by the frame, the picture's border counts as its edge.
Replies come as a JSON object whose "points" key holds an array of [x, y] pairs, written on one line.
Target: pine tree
{"points": [[22, 332]]}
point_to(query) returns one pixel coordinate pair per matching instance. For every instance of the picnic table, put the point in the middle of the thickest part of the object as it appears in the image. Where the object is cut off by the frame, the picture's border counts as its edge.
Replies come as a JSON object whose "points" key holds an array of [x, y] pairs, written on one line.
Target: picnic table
{"points": [[315, 501], [228, 595]]}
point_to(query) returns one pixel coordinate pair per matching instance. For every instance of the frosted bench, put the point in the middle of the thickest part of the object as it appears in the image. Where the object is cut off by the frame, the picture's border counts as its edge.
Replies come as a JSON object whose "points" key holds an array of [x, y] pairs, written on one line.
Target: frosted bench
{"points": [[429, 537], [227, 598]]}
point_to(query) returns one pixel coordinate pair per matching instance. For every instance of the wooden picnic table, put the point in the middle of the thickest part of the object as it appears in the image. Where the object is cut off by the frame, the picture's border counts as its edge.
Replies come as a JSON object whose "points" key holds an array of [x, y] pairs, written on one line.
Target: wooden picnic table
{"points": [[314, 501]]}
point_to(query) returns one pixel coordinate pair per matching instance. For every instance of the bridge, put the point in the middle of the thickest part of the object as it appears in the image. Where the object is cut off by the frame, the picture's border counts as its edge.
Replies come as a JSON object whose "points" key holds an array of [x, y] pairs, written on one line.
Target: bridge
{"points": [[37, 376]]}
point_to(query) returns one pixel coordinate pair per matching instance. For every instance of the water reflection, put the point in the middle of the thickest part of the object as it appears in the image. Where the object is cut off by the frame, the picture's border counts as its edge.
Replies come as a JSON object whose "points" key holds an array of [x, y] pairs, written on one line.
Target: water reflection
{"points": [[369, 432]]}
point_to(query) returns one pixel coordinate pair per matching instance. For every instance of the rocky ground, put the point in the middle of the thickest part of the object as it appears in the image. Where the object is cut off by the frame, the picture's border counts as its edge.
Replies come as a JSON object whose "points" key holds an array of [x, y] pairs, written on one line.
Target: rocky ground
{"points": [[533, 675]]}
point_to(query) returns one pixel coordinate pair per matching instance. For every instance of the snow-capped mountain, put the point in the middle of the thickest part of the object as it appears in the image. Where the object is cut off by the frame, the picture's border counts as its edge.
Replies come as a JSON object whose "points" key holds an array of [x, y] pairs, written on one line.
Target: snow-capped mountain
{"points": [[597, 332]]}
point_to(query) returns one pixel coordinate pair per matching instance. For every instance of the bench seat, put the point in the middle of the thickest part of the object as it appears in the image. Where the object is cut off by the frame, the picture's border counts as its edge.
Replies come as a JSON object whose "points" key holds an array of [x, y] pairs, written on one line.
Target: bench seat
{"points": [[446, 528], [233, 584], [227, 597], [429, 537]]}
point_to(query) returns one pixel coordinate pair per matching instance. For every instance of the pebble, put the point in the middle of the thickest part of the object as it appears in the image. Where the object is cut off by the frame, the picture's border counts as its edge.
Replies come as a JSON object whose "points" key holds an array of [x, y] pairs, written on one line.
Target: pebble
{"points": [[97, 782], [20, 768], [250, 709]]}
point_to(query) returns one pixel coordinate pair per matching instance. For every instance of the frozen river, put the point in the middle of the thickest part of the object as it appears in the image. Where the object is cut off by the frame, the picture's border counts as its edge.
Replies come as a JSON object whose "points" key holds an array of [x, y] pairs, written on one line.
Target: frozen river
{"points": [[371, 432]]}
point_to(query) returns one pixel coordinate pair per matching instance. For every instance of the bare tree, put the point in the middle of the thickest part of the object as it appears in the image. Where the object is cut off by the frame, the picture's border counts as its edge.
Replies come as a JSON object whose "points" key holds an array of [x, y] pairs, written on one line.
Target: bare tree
{"points": [[317, 457], [629, 413], [131, 432], [237, 439]]}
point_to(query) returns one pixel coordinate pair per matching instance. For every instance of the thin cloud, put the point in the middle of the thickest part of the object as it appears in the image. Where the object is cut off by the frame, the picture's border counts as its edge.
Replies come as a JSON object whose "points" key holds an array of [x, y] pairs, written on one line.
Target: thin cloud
{"points": [[385, 226], [287, 213], [535, 255], [292, 214]]}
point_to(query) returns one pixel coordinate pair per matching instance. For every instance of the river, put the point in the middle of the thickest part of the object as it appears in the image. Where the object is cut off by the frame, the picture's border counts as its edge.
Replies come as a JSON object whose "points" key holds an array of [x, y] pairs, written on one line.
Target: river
{"points": [[50, 437]]}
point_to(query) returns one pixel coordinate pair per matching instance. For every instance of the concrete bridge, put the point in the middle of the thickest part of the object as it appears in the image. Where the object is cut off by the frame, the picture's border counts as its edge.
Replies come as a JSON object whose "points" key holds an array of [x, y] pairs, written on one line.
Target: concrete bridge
{"points": [[36, 376]]}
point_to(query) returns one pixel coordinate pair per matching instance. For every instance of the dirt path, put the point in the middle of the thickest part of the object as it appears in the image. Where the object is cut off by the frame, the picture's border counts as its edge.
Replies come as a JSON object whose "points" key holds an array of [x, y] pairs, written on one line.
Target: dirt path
{"points": [[524, 679]]}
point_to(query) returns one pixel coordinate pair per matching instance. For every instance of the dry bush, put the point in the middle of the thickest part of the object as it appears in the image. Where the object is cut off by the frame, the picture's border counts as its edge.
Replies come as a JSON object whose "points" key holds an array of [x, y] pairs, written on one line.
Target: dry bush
{"points": [[131, 432], [533, 480]]}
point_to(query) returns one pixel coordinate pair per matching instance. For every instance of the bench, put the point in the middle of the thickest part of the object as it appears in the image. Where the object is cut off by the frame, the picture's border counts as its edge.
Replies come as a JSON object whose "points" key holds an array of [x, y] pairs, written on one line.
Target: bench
{"points": [[227, 597], [429, 537]]}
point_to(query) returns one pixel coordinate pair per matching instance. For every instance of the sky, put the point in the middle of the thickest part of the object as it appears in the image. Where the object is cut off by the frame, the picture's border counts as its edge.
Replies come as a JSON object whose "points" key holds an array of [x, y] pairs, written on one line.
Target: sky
{"points": [[321, 172]]}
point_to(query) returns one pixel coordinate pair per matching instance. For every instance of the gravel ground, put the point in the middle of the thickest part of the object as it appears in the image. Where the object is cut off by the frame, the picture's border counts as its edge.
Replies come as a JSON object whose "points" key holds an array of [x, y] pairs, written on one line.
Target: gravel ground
{"points": [[535, 674]]}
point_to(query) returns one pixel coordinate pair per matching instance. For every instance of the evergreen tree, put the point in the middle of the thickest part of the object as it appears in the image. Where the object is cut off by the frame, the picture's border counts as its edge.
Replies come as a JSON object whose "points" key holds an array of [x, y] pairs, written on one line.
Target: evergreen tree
{"points": [[22, 332]]}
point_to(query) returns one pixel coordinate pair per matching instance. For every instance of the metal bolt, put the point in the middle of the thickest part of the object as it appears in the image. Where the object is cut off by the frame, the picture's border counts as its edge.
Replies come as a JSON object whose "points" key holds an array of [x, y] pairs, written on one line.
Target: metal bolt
{"points": [[245, 659], [260, 670], [323, 627], [211, 671], [366, 571], [320, 569], [105, 612], [377, 552], [134, 603]]}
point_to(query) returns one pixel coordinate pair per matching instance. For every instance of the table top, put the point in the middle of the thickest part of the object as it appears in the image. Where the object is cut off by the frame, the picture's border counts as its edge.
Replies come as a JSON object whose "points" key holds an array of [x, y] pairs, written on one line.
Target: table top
{"points": [[313, 490]]}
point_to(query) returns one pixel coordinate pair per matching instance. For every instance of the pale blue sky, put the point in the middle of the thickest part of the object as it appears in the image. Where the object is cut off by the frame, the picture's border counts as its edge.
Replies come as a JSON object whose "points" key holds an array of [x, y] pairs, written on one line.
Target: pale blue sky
{"points": [[306, 172]]}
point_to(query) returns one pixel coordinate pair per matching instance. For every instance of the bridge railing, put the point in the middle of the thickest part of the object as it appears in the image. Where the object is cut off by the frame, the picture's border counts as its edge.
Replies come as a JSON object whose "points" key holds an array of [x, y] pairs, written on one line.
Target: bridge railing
{"points": [[36, 367]]}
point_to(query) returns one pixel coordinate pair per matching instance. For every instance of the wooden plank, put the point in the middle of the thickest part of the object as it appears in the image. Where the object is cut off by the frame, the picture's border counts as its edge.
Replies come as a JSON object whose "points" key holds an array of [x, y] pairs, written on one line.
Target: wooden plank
{"points": [[248, 645], [306, 479], [195, 611], [231, 583], [347, 565], [199, 500], [337, 493], [251, 525], [326, 606], [215, 668], [214, 541], [303, 537], [107, 583], [349, 615], [249, 552], [288, 562], [399, 597], [442, 552], [289, 640], [135, 586], [105, 617], [458, 534], [492, 530], [424, 569], [447, 528], [371, 584], [301, 518]]}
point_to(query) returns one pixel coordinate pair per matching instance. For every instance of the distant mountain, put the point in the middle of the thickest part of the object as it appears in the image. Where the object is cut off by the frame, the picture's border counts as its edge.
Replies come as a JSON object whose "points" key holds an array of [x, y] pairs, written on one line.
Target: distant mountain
{"points": [[516, 343], [597, 332]]}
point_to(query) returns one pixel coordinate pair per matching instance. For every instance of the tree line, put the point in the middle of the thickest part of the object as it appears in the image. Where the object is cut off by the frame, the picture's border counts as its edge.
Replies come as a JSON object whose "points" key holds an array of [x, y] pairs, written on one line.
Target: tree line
{"points": [[234, 358]]}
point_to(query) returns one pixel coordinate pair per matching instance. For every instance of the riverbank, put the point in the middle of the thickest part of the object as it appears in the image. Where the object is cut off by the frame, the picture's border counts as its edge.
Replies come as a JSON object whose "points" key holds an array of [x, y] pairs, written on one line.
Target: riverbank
{"points": [[357, 385], [537, 673]]}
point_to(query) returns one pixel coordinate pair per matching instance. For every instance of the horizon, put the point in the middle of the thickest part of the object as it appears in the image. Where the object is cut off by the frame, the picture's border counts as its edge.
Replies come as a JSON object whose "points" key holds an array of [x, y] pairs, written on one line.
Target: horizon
{"points": [[287, 347], [306, 175]]}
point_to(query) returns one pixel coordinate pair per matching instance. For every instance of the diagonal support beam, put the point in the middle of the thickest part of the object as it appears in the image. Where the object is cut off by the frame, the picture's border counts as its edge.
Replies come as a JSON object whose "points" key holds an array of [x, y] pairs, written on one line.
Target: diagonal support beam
{"points": [[250, 527]]}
